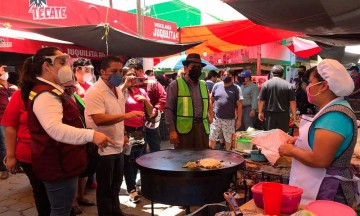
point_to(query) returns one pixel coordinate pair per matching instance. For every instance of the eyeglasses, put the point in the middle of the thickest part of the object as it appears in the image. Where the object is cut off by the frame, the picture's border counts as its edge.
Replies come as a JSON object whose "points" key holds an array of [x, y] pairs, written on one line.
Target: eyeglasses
{"points": [[87, 69], [60, 60]]}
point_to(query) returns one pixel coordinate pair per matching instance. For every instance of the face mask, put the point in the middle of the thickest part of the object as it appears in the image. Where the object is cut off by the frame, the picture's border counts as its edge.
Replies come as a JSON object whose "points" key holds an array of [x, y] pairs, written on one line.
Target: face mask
{"points": [[65, 74], [309, 96], [194, 74], [5, 76], [226, 79], [88, 77], [115, 79]]}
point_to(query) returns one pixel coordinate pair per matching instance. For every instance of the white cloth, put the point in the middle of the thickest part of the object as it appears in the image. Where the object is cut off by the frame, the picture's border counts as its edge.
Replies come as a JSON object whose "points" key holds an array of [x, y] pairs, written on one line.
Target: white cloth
{"points": [[49, 111], [99, 99], [337, 77], [303, 176]]}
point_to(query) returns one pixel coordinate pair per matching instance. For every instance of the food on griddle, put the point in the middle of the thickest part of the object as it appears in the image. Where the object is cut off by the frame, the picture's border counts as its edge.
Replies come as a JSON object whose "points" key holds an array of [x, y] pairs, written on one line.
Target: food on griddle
{"points": [[207, 163], [190, 165], [210, 163]]}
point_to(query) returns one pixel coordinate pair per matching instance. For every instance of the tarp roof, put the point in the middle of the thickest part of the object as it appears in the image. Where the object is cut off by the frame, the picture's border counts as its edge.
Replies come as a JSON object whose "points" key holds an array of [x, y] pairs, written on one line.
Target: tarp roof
{"points": [[334, 22], [119, 43], [231, 35]]}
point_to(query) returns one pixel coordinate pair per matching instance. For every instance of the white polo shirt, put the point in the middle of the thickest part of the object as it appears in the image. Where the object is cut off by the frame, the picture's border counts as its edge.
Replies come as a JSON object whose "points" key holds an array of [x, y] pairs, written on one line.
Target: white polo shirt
{"points": [[99, 99]]}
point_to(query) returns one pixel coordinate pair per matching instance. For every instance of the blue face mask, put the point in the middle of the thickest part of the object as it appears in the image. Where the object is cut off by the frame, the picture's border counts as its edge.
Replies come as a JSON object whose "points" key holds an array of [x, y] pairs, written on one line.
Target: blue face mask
{"points": [[115, 79]]}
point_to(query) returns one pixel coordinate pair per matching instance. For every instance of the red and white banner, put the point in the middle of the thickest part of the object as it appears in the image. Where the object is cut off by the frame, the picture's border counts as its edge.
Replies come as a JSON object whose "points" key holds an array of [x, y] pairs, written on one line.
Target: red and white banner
{"points": [[19, 14], [31, 46]]}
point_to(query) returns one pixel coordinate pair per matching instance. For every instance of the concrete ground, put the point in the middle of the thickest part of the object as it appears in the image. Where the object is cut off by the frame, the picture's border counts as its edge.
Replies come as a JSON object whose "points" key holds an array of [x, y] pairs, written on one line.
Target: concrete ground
{"points": [[16, 199]]}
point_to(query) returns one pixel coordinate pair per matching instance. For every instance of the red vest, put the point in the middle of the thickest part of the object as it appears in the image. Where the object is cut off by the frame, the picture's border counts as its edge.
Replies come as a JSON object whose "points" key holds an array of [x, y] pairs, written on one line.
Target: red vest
{"points": [[52, 160]]}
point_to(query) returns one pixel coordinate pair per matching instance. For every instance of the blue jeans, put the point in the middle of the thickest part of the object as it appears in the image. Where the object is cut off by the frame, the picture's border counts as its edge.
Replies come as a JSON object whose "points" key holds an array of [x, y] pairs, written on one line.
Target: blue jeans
{"points": [[153, 139], [2, 148], [130, 169], [61, 195], [40, 196], [109, 175]]}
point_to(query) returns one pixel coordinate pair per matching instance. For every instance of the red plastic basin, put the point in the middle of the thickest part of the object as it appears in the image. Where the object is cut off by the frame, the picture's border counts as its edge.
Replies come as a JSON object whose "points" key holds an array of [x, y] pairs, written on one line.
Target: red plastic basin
{"points": [[290, 198]]}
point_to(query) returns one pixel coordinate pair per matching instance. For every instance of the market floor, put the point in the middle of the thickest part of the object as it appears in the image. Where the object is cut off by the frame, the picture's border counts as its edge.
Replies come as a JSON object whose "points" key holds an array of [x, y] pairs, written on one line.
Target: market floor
{"points": [[16, 199]]}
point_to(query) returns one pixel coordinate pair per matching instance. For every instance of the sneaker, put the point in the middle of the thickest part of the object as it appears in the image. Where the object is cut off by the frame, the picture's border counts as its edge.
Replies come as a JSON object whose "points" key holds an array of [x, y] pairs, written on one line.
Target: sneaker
{"points": [[134, 196]]}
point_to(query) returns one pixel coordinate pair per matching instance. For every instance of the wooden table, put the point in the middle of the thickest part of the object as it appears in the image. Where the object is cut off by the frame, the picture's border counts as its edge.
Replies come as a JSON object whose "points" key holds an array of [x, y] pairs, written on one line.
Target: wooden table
{"points": [[250, 208]]}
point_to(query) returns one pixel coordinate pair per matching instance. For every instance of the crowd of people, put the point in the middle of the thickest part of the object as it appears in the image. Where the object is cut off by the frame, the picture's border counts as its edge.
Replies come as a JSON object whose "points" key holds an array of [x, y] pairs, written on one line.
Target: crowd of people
{"points": [[81, 126]]}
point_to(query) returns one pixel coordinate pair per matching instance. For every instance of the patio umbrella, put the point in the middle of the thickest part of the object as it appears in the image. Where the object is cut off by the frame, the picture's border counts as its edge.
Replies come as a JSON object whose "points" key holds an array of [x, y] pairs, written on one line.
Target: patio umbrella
{"points": [[175, 63], [333, 22], [304, 48]]}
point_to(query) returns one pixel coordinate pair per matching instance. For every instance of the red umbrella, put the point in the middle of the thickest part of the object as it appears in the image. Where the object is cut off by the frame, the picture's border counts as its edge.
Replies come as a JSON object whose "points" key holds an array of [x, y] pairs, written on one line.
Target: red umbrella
{"points": [[304, 48]]}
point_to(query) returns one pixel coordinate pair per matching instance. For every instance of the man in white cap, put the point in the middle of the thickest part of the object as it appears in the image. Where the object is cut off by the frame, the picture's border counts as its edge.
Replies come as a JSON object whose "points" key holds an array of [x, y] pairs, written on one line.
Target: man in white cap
{"points": [[322, 152]]}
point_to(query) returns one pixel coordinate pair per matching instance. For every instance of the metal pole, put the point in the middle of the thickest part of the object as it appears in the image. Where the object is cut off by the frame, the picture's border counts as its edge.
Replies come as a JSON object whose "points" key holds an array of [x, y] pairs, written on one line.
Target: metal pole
{"points": [[139, 18], [258, 61]]}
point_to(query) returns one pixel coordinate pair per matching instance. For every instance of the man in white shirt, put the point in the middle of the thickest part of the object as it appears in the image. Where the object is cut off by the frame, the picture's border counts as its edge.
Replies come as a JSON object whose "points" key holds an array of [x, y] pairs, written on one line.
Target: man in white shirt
{"points": [[105, 112]]}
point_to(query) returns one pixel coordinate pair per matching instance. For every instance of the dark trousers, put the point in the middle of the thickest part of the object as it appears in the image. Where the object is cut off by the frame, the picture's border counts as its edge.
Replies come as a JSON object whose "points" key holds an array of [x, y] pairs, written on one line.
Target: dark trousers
{"points": [[2, 148], [153, 139], [109, 176], [39, 192], [280, 120], [195, 139]]}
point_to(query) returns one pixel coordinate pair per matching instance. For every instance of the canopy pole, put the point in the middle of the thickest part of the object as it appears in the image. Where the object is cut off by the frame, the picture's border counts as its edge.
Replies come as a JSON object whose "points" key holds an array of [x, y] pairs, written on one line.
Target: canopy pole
{"points": [[139, 18], [258, 61]]}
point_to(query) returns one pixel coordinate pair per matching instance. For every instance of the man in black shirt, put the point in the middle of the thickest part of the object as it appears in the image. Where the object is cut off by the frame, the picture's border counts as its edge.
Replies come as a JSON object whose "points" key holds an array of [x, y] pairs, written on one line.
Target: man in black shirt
{"points": [[276, 99]]}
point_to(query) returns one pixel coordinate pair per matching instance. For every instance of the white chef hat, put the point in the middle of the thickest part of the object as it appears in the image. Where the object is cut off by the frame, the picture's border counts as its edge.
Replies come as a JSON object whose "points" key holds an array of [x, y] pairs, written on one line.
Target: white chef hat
{"points": [[337, 77]]}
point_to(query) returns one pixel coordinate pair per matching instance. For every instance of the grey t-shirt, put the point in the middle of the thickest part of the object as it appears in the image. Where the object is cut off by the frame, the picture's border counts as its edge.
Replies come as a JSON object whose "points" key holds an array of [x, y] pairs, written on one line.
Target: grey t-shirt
{"points": [[277, 94], [225, 99]]}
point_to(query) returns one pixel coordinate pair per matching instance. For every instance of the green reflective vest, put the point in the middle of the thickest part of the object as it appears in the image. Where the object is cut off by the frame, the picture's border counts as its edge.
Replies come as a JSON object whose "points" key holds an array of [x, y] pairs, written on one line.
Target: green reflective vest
{"points": [[185, 108]]}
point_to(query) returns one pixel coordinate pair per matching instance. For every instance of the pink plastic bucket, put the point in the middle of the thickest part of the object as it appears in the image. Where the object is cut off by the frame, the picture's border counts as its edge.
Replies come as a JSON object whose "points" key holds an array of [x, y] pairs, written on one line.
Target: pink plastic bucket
{"points": [[290, 200]]}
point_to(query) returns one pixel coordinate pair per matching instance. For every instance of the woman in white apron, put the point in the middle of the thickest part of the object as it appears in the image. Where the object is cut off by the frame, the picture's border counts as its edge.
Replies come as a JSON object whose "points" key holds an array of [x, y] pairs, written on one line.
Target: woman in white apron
{"points": [[322, 152]]}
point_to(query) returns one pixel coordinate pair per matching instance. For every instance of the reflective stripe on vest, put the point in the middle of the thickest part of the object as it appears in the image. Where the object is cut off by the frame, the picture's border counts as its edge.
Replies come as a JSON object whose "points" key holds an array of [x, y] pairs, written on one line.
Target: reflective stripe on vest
{"points": [[185, 109]]}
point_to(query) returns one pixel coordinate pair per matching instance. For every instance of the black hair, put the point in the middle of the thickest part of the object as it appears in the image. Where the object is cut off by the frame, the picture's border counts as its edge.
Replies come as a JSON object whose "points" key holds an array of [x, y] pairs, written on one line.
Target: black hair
{"points": [[303, 67], [314, 71], [107, 60], [81, 62], [148, 72], [125, 70], [134, 63], [277, 71], [211, 74], [354, 68], [32, 68]]}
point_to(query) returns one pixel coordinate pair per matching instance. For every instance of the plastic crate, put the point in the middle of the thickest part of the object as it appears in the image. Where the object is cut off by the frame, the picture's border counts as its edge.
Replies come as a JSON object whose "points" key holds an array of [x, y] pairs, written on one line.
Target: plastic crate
{"points": [[209, 210]]}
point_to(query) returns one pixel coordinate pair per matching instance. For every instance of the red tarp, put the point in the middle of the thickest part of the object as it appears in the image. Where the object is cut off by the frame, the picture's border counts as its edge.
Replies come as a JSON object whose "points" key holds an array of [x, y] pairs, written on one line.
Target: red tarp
{"points": [[231, 35]]}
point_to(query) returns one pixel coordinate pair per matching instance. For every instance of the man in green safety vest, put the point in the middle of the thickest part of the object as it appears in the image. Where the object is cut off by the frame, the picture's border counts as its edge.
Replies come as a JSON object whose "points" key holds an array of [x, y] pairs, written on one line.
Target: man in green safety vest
{"points": [[188, 111]]}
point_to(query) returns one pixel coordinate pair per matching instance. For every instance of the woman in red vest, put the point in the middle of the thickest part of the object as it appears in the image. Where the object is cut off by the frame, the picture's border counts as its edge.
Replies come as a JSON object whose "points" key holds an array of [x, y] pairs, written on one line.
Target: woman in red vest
{"points": [[57, 129]]}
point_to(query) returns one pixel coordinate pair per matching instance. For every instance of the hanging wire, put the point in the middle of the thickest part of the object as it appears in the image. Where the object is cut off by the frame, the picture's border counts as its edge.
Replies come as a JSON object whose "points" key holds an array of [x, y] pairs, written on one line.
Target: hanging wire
{"points": [[106, 33]]}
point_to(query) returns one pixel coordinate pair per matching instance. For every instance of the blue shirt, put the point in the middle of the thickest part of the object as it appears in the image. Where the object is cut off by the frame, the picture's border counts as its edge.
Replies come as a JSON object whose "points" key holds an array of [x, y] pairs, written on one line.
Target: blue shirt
{"points": [[225, 100], [337, 122]]}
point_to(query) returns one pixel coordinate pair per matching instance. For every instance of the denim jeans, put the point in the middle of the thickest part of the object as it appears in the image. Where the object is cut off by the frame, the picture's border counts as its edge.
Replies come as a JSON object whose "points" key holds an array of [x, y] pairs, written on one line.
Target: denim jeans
{"points": [[2, 148], [39, 191], [153, 139], [130, 169], [109, 175], [61, 195]]}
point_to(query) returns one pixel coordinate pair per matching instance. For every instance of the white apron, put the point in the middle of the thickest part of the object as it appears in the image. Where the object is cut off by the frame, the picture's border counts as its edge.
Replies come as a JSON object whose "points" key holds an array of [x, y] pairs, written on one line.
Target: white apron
{"points": [[301, 175]]}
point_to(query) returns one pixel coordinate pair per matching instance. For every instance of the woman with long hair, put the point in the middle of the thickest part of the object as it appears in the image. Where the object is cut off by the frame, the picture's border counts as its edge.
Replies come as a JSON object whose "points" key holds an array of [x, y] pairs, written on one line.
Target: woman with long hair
{"points": [[57, 128]]}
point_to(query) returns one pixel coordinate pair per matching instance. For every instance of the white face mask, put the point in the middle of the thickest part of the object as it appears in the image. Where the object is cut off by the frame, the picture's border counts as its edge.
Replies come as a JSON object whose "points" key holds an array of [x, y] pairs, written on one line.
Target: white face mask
{"points": [[65, 74], [5, 76], [88, 78]]}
